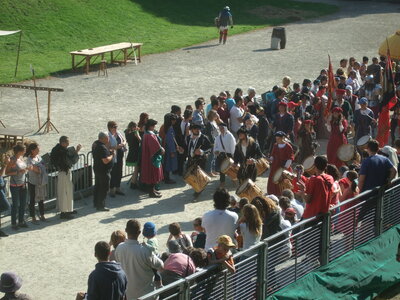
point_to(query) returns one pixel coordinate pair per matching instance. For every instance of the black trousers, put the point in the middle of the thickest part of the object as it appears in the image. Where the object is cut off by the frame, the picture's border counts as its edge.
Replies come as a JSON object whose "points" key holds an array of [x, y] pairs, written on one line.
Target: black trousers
{"points": [[116, 174], [31, 189], [101, 188]]}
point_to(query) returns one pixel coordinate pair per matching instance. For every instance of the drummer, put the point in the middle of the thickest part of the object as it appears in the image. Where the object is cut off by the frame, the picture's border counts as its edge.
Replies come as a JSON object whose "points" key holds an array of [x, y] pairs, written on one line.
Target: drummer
{"points": [[247, 151], [198, 146], [363, 120], [337, 126], [224, 146], [281, 157]]}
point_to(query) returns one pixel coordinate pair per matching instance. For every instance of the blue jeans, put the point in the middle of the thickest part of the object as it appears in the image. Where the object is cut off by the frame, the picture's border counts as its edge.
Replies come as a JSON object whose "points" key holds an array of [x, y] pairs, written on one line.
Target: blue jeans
{"points": [[18, 195], [4, 204]]}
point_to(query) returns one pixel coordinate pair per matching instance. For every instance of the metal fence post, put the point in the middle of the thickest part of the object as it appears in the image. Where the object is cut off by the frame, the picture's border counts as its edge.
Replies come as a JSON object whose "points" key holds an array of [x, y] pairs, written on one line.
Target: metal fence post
{"points": [[379, 212], [261, 272], [326, 238]]}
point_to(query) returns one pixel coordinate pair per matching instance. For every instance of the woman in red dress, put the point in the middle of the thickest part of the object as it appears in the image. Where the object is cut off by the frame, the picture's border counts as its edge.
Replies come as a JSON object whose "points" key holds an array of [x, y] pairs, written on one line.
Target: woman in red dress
{"points": [[281, 157], [337, 125]]}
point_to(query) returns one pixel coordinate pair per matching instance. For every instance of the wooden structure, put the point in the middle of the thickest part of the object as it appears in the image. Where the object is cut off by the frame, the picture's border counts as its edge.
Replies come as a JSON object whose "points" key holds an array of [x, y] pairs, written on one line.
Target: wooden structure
{"points": [[11, 136], [130, 51], [48, 125]]}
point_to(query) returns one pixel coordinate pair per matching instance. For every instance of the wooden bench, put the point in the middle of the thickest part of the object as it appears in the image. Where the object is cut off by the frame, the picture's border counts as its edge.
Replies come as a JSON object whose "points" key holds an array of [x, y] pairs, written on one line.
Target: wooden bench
{"points": [[130, 51]]}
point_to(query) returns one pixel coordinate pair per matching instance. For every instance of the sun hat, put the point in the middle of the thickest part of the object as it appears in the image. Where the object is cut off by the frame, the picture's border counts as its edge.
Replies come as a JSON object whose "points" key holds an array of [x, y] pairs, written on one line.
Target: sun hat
{"points": [[225, 240], [10, 282]]}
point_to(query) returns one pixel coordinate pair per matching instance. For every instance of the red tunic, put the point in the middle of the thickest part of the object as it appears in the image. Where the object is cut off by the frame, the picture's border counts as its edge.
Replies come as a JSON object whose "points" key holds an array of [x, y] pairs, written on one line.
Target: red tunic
{"points": [[318, 188], [150, 174], [336, 139], [280, 156]]}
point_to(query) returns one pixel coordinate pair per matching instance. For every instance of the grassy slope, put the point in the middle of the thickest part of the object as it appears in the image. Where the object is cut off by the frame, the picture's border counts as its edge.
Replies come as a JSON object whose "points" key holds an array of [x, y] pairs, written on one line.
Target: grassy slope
{"points": [[52, 28]]}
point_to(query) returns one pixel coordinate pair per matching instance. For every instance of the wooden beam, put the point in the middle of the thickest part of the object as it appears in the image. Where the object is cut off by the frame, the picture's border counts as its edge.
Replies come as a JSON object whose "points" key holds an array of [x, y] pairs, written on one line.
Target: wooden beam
{"points": [[27, 87]]}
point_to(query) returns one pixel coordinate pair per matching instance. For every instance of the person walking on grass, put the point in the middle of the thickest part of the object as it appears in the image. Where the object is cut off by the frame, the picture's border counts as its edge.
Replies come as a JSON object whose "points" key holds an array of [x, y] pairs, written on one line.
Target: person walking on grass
{"points": [[224, 21]]}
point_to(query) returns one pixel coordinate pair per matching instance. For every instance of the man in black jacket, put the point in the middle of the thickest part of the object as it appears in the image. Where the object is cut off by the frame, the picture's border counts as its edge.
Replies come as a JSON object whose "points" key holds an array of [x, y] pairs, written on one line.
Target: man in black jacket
{"points": [[198, 146], [108, 281]]}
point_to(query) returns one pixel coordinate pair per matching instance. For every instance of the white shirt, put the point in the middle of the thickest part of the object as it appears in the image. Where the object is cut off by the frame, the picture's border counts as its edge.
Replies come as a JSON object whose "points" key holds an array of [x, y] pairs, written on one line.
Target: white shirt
{"points": [[298, 208], [216, 223], [184, 124], [249, 238], [137, 261], [353, 83], [229, 143], [235, 113]]}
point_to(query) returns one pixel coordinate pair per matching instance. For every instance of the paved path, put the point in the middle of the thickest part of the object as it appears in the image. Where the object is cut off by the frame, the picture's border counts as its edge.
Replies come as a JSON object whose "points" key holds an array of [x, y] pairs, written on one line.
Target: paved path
{"points": [[55, 259]]}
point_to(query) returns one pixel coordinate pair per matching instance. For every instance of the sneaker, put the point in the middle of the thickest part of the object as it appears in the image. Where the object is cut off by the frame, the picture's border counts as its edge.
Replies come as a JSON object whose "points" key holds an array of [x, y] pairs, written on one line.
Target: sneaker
{"points": [[154, 195], [102, 209], [23, 225], [119, 192], [3, 234], [67, 216]]}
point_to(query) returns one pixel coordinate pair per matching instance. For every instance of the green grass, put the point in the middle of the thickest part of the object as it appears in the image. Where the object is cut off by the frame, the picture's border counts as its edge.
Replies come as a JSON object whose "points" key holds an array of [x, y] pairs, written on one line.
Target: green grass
{"points": [[53, 28]]}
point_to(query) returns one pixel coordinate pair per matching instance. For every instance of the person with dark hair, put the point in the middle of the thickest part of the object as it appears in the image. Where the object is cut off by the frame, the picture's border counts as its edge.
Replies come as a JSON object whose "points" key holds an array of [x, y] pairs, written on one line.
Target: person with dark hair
{"points": [[198, 113], [198, 236], [219, 221], [318, 190], [236, 115], [224, 147], [306, 140], [151, 167], [171, 147], [224, 21], [117, 144], [176, 234], [103, 160], [10, 283], [336, 190], [376, 170], [179, 138], [282, 157], [198, 146], [337, 126], [375, 69], [269, 213], [62, 159], [143, 118], [364, 66], [108, 281], [133, 139], [247, 151], [16, 169], [138, 262], [363, 120], [37, 181], [284, 121]]}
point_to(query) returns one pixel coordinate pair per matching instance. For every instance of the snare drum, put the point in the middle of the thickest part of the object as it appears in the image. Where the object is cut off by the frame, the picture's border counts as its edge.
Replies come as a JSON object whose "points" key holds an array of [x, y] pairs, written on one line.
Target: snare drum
{"points": [[262, 165], [283, 178], [228, 168], [346, 152], [196, 178], [309, 166], [248, 189], [363, 142]]}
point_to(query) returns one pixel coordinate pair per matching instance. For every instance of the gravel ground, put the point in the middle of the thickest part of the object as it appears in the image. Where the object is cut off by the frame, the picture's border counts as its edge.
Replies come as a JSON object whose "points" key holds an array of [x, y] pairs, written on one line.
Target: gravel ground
{"points": [[55, 258]]}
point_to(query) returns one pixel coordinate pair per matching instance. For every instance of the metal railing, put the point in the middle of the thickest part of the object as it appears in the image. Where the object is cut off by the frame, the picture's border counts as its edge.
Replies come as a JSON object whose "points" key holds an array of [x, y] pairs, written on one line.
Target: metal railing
{"points": [[285, 257]]}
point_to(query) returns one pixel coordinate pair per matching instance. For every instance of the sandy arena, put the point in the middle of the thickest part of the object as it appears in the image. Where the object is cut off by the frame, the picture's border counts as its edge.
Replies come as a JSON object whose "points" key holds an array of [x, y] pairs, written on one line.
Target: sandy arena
{"points": [[55, 258]]}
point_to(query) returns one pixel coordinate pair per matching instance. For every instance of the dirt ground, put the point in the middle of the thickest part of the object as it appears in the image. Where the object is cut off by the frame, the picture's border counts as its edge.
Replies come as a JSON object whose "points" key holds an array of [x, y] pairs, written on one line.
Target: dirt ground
{"points": [[54, 259]]}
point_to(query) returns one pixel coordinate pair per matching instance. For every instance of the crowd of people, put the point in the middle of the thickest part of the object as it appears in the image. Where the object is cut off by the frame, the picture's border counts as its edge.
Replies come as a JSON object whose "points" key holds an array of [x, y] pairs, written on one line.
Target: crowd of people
{"points": [[282, 126]]}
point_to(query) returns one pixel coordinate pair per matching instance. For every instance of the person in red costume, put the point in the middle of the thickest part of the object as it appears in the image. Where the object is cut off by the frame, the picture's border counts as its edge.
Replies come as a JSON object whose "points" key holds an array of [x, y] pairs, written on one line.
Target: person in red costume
{"points": [[337, 126], [281, 157], [151, 167]]}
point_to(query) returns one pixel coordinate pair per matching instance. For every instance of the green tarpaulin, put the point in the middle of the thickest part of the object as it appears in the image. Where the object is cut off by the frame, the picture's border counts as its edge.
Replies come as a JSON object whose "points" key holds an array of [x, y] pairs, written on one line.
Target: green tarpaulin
{"points": [[359, 274]]}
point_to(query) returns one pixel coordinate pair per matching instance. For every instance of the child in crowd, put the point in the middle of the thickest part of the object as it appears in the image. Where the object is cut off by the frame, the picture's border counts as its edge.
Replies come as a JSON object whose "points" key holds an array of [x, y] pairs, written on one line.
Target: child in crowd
{"points": [[284, 204], [221, 254], [290, 215], [233, 206], [176, 233], [117, 237], [151, 242], [199, 235]]}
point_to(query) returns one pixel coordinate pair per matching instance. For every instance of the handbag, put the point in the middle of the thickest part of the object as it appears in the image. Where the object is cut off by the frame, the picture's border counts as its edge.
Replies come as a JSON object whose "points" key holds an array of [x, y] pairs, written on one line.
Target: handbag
{"points": [[221, 156]]}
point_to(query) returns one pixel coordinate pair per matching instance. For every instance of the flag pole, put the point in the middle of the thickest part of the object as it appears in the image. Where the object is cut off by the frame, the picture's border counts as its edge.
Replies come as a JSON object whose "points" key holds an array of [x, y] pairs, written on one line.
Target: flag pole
{"points": [[19, 48], [36, 96]]}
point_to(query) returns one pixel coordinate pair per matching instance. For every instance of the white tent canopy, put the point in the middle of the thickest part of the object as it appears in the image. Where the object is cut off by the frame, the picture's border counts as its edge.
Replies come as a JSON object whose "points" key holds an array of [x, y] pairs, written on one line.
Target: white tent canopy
{"points": [[5, 32], [8, 32]]}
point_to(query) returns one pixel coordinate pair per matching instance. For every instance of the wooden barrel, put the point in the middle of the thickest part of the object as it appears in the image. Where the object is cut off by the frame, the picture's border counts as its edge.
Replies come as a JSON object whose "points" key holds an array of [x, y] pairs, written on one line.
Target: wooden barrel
{"points": [[280, 32]]}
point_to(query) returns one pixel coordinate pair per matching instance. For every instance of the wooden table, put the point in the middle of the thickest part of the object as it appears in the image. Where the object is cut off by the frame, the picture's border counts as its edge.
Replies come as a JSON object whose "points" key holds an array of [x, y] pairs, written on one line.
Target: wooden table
{"points": [[11, 136], [127, 49]]}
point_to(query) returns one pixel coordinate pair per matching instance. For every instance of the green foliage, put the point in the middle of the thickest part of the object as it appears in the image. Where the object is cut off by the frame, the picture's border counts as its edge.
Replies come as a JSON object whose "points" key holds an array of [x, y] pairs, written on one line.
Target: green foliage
{"points": [[53, 28]]}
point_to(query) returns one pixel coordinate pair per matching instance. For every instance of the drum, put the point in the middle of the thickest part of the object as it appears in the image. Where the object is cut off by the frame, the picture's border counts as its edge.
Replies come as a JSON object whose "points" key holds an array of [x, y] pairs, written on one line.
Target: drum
{"points": [[363, 142], [228, 168], [248, 189], [346, 152], [196, 178], [262, 165], [283, 178], [309, 166]]}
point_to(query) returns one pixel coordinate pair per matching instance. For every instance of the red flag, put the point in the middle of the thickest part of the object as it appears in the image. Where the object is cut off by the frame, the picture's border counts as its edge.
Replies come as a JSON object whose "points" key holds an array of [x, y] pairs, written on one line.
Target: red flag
{"points": [[331, 88], [388, 101]]}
